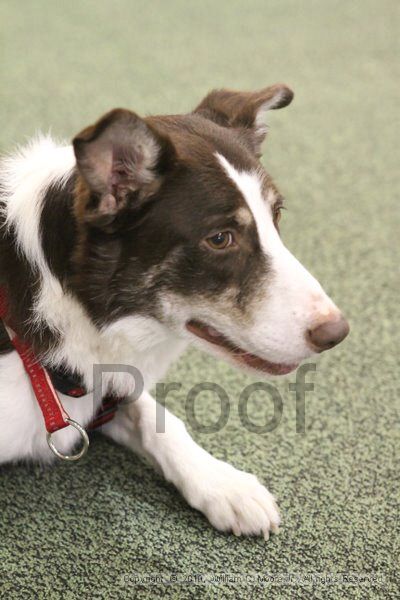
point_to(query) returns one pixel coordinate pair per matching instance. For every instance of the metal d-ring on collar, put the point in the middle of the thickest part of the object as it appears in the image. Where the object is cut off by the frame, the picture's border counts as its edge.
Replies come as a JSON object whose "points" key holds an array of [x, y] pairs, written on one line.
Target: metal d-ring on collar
{"points": [[82, 451]]}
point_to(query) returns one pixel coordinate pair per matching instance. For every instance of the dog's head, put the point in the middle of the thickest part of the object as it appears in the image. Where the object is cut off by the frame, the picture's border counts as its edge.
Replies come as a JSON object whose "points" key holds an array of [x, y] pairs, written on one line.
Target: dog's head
{"points": [[179, 222]]}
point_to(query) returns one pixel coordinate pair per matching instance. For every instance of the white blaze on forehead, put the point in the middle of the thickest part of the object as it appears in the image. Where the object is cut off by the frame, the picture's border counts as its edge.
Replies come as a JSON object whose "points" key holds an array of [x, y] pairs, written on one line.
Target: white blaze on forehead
{"points": [[249, 184], [292, 284]]}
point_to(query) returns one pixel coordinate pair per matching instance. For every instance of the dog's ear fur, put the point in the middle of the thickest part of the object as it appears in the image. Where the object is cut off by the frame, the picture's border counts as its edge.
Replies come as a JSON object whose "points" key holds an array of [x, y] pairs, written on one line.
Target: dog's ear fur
{"points": [[245, 111], [122, 161]]}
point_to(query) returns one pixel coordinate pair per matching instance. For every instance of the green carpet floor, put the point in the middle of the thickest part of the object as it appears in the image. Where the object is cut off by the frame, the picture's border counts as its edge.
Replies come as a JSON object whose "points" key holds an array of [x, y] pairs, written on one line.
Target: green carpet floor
{"points": [[87, 530]]}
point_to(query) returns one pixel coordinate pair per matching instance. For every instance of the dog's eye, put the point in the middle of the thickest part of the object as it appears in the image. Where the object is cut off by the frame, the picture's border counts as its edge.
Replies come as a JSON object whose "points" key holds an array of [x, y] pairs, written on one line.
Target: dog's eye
{"points": [[220, 240]]}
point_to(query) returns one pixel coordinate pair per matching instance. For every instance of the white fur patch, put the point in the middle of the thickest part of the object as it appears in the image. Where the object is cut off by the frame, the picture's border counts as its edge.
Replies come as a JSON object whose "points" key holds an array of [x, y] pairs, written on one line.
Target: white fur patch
{"points": [[243, 216], [250, 187], [25, 176]]}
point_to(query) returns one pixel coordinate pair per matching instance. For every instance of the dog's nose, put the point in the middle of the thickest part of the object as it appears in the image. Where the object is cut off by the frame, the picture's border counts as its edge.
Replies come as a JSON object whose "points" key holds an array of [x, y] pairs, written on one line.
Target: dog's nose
{"points": [[329, 334]]}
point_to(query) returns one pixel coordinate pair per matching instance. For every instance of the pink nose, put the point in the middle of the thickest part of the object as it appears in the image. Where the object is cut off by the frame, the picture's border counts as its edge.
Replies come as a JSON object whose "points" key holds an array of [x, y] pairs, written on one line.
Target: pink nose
{"points": [[328, 334]]}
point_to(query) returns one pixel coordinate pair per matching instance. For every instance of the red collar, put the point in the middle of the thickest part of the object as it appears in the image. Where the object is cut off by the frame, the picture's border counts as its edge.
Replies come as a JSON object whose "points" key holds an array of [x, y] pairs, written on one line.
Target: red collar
{"points": [[55, 416]]}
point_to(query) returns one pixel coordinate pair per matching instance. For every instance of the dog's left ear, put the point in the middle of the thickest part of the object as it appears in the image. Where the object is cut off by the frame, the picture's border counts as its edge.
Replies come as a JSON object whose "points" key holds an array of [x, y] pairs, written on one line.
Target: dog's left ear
{"points": [[245, 111], [122, 161]]}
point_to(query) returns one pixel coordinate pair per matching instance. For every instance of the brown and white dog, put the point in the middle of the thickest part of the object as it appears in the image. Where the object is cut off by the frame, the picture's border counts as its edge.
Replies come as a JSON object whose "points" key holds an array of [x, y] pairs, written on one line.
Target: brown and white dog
{"points": [[144, 236]]}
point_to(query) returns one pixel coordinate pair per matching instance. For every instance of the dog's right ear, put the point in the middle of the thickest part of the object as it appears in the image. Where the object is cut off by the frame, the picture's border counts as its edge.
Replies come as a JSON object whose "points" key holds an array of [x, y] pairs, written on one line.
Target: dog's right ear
{"points": [[122, 161]]}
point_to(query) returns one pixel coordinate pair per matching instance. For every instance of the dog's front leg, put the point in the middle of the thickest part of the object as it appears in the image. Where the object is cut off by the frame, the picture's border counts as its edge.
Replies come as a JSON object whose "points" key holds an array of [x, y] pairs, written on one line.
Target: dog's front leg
{"points": [[232, 500]]}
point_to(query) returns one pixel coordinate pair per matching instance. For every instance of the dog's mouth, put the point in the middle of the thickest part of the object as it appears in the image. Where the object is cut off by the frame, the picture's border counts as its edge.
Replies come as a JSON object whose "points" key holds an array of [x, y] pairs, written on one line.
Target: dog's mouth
{"points": [[240, 356]]}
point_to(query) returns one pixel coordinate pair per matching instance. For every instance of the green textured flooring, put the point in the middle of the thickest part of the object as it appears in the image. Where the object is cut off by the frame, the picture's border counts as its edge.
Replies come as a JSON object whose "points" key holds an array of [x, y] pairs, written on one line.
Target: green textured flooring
{"points": [[83, 530]]}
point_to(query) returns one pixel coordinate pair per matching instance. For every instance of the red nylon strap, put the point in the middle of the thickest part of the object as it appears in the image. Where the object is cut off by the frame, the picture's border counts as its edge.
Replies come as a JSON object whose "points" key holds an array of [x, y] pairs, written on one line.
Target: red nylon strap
{"points": [[54, 415], [106, 412]]}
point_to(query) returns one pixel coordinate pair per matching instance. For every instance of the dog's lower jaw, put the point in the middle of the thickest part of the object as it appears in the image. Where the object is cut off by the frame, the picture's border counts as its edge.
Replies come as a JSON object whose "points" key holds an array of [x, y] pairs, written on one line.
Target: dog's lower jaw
{"points": [[232, 500]]}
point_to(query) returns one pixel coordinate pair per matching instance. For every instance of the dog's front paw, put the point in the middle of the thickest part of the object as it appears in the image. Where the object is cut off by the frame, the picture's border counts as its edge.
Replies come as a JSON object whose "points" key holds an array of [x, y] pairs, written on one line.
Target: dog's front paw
{"points": [[233, 500]]}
